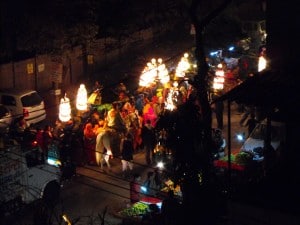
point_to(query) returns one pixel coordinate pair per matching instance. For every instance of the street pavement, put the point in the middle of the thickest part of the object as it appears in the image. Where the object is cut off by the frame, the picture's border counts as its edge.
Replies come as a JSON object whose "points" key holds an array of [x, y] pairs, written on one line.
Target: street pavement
{"points": [[92, 190], [88, 193], [110, 188]]}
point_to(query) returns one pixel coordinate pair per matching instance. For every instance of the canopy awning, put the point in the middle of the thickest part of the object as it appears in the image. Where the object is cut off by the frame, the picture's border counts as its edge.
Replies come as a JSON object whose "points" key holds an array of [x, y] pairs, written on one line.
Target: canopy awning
{"points": [[267, 89]]}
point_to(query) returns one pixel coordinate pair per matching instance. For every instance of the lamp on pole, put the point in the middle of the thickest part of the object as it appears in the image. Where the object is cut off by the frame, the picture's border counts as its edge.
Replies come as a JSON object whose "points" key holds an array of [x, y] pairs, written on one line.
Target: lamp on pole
{"points": [[64, 109], [81, 100], [183, 66], [155, 71]]}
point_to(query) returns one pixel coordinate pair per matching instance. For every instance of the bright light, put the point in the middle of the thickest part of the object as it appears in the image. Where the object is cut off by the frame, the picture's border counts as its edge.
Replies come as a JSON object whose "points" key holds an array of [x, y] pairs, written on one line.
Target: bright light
{"points": [[218, 86], [153, 72], [66, 219], [163, 74], [169, 103], [214, 53], [262, 63], [220, 73], [160, 165], [231, 48], [148, 76], [240, 137], [143, 189], [219, 79], [64, 109], [182, 66], [54, 162], [81, 101]]}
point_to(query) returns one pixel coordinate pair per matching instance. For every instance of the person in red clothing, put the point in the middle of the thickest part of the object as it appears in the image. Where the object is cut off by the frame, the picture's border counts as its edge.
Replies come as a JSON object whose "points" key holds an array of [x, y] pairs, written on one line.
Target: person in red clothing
{"points": [[89, 142], [47, 139], [39, 137], [135, 188]]}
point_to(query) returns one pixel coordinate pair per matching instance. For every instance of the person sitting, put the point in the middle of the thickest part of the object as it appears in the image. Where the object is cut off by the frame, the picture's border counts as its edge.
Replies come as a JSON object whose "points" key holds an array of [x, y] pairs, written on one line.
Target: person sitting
{"points": [[150, 185], [114, 119], [97, 86]]}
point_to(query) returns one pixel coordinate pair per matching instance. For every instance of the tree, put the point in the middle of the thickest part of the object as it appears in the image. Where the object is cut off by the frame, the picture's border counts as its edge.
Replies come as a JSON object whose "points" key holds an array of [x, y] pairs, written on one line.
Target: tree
{"points": [[48, 27], [192, 129]]}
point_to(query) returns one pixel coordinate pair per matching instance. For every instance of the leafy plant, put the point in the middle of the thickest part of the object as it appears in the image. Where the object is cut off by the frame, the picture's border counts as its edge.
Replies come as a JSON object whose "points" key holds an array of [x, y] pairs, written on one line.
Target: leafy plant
{"points": [[243, 158]]}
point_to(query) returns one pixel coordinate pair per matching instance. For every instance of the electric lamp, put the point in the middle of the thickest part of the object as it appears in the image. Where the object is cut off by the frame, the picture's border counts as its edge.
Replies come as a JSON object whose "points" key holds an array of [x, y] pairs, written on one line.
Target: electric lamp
{"points": [[64, 109], [81, 101]]}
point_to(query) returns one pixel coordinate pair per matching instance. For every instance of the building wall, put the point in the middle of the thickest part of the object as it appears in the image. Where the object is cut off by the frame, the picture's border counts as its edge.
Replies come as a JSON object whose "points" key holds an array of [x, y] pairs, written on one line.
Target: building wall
{"points": [[47, 72]]}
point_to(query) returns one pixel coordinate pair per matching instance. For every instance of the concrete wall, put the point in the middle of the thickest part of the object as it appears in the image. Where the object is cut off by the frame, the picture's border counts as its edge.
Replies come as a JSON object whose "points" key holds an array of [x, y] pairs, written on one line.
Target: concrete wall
{"points": [[37, 73]]}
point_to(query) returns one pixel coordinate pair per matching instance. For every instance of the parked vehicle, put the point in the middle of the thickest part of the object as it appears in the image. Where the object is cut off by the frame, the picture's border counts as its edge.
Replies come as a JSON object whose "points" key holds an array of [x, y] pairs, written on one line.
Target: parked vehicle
{"points": [[25, 176], [27, 103], [5, 118]]}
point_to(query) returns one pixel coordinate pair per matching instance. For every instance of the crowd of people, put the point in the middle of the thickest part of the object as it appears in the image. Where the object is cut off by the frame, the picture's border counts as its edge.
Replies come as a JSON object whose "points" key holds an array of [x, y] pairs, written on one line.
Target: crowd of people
{"points": [[133, 117]]}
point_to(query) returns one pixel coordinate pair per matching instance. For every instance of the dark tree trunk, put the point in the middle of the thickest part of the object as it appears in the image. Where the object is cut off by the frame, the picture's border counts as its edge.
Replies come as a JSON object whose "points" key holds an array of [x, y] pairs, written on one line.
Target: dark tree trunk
{"points": [[200, 196]]}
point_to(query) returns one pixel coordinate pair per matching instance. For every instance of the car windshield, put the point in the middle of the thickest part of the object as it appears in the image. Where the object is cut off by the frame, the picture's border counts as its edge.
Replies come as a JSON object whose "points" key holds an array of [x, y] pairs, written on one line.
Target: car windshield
{"points": [[261, 130], [31, 99]]}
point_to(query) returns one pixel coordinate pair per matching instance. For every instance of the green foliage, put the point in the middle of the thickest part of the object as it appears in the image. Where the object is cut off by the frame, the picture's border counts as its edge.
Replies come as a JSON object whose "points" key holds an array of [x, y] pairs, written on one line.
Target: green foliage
{"points": [[104, 107], [225, 158], [136, 209], [243, 158]]}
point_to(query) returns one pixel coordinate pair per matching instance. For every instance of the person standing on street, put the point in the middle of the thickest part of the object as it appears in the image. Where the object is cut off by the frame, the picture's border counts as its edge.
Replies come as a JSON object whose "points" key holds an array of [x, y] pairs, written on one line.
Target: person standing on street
{"points": [[218, 108], [251, 123], [148, 140], [127, 153], [47, 139], [249, 109], [219, 114], [135, 188]]}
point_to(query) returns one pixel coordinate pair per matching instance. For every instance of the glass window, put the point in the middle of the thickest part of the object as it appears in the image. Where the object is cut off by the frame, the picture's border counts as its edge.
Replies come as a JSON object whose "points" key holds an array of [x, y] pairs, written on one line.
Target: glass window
{"points": [[3, 111], [31, 99], [8, 100]]}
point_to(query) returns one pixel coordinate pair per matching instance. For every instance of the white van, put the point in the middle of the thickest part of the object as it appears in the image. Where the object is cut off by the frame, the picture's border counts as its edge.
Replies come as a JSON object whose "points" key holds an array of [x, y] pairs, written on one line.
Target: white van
{"points": [[256, 139], [27, 103]]}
